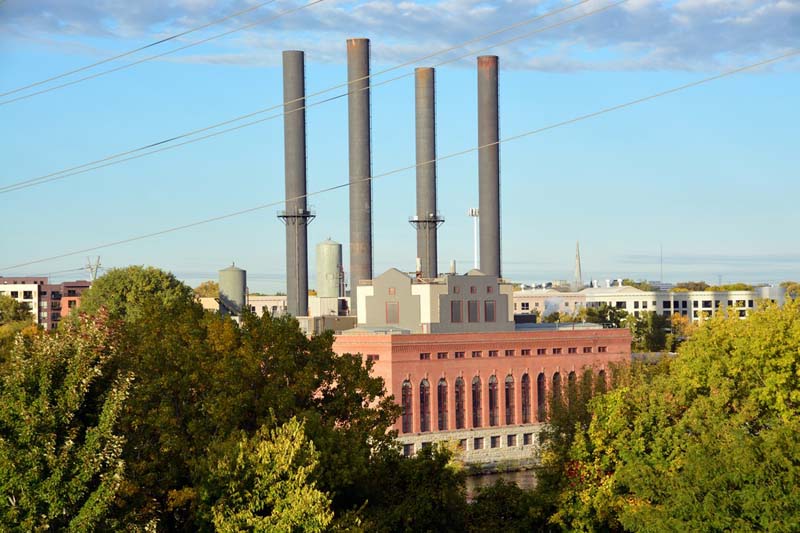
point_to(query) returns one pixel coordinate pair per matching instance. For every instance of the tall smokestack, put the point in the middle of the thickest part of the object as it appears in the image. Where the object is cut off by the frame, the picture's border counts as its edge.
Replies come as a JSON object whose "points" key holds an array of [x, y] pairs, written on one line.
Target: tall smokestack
{"points": [[489, 165], [296, 216], [360, 164], [427, 220]]}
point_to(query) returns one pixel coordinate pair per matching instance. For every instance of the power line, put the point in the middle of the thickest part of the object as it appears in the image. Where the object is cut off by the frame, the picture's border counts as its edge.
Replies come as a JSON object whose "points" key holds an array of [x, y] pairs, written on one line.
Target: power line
{"points": [[156, 56], [518, 136], [115, 158], [139, 49]]}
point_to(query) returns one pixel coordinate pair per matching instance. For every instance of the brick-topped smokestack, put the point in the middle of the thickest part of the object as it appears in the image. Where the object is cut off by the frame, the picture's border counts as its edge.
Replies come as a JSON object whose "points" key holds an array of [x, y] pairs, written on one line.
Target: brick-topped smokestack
{"points": [[360, 164], [489, 166]]}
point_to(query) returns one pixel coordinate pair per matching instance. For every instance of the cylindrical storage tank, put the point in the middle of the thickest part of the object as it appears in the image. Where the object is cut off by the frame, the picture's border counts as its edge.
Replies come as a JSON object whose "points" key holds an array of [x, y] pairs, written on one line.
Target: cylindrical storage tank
{"points": [[329, 269], [232, 290]]}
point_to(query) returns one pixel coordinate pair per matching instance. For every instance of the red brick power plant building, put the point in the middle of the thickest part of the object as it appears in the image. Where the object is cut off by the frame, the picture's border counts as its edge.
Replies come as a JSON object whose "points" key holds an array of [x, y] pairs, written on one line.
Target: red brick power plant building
{"points": [[446, 345]]}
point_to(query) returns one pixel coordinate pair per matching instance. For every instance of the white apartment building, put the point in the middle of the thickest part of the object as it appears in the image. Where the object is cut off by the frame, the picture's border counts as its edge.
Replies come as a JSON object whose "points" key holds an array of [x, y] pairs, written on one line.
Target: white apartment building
{"points": [[692, 304]]}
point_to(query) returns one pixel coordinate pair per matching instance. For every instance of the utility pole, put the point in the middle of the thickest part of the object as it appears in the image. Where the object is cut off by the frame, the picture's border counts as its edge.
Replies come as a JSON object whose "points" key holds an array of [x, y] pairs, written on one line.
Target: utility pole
{"points": [[473, 212], [93, 267]]}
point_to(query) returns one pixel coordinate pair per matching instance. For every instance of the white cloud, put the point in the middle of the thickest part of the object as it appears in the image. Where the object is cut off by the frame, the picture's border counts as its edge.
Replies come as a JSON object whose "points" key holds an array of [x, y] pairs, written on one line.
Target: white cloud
{"points": [[640, 34]]}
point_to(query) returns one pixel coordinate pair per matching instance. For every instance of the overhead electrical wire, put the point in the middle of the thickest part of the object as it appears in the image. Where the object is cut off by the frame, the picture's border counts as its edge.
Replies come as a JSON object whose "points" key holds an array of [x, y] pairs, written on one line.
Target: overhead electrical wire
{"points": [[451, 155], [139, 49], [156, 56], [121, 156]]}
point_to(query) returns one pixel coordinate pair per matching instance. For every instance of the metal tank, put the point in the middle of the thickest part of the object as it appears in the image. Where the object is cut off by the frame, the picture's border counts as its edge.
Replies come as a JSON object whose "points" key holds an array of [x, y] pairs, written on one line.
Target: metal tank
{"points": [[232, 290], [329, 269]]}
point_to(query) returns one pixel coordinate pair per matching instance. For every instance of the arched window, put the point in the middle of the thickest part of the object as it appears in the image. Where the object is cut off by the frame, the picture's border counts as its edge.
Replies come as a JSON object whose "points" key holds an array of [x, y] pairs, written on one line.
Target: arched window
{"points": [[572, 388], [460, 393], [493, 418], [601, 381], [424, 405], [441, 404], [526, 398], [557, 394], [408, 412], [477, 415], [541, 398], [509, 399]]}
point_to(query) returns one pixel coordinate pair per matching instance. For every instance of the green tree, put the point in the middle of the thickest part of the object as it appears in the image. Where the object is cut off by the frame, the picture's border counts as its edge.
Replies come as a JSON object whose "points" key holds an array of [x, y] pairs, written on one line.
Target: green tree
{"points": [[503, 507], [648, 331], [207, 289], [14, 318], [690, 286], [606, 314], [267, 486], [792, 289], [60, 445], [420, 493], [642, 285], [705, 442], [125, 291]]}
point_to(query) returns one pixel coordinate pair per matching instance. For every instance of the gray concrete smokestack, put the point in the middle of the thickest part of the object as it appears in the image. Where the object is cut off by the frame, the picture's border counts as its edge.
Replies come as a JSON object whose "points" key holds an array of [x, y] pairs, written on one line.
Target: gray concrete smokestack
{"points": [[360, 164], [296, 216], [427, 219], [489, 165]]}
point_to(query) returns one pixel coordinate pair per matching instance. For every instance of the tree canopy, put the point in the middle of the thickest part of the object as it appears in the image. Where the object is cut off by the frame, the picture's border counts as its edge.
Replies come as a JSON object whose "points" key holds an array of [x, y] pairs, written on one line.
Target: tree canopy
{"points": [[705, 441], [207, 289]]}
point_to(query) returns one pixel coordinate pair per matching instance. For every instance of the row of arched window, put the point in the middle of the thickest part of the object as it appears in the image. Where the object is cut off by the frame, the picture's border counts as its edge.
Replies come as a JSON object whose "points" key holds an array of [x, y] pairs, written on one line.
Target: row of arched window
{"points": [[476, 391]]}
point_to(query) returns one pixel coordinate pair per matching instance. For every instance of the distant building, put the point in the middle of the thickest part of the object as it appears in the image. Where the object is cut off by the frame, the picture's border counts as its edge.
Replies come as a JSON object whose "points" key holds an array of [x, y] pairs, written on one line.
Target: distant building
{"points": [[47, 302], [692, 304], [450, 353]]}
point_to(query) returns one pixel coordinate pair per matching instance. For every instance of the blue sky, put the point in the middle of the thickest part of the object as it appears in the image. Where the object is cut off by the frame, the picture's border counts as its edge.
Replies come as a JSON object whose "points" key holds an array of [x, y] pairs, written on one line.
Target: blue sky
{"points": [[710, 174]]}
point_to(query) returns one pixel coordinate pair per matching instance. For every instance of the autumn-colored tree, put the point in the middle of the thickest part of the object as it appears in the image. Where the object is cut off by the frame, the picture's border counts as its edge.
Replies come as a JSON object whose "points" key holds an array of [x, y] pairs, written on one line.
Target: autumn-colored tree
{"points": [[207, 289], [60, 445]]}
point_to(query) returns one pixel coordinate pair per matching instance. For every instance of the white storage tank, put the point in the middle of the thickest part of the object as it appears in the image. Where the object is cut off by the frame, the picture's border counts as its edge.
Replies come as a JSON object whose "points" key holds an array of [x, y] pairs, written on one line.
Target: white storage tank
{"points": [[232, 290], [329, 269]]}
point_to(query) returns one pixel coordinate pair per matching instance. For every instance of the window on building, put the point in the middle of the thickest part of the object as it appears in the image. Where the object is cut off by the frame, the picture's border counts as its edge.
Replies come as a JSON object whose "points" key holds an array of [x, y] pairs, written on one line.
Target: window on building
{"points": [[441, 355], [511, 441], [459, 397], [43, 305], [717, 303], [27, 295], [406, 404], [749, 303], [572, 350], [441, 404], [462, 444], [392, 312], [424, 406], [373, 357], [495, 441], [43, 293], [424, 356], [601, 381], [602, 349], [541, 398], [477, 443], [456, 289], [636, 314], [527, 439], [493, 403], [509, 353], [492, 353], [556, 351], [459, 355], [476, 353], [473, 311], [667, 313], [666, 304], [730, 303], [541, 351], [526, 306], [742, 313], [477, 415], [695, 303], [525, 384], [473, 290], [489, 307], [644, 305], [587, 349], [408, 450], [525, 351], [683, 304], [15, 294], [622, 305], [455, 311], [636, 305], [706, 304], [392, 291], [509, 403]]}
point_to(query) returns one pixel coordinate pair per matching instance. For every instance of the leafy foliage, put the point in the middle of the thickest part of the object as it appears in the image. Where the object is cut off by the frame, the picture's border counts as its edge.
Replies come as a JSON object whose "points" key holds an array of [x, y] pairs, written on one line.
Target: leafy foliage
{"points": [[642, 285], [690, 286], [703, 442], [60, 445], [267, 486], [14, 318], [503, 507], [207, 289]]}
